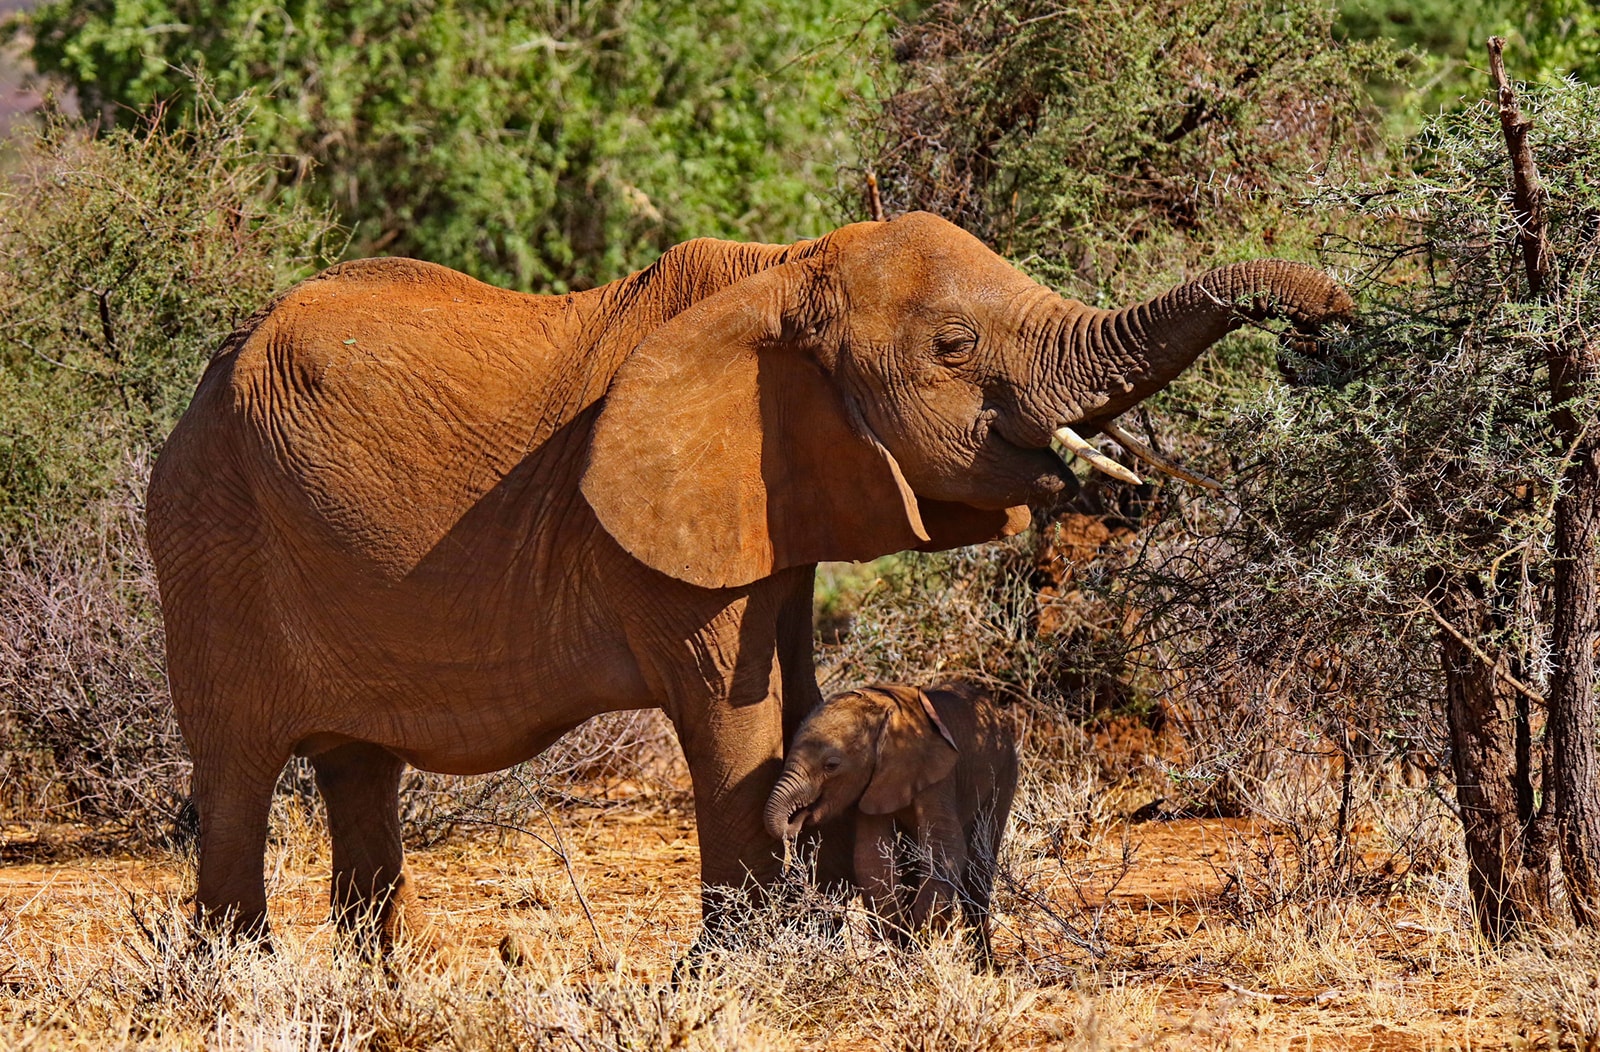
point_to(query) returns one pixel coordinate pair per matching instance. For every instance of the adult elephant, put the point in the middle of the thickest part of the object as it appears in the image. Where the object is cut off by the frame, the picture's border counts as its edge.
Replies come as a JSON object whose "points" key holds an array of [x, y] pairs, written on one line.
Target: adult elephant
{"points": [[411, 518]]}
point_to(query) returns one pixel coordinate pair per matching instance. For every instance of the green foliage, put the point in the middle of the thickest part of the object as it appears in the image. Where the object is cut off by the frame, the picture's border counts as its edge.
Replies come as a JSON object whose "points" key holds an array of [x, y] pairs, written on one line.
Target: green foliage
{"points": [[541, 145], [1106, 144], [1563, 37], [124, 260], [1446, 39]]}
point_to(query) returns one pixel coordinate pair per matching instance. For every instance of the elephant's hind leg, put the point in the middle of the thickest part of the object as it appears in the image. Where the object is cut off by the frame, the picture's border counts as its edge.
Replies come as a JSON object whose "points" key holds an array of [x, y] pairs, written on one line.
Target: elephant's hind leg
{"points": [[227, 675], [233, 799], [360, 785]]}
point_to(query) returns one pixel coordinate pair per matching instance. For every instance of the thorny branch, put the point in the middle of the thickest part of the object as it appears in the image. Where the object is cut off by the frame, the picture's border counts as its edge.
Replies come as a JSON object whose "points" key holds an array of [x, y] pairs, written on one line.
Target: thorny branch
{"points": [[1497, 667]]}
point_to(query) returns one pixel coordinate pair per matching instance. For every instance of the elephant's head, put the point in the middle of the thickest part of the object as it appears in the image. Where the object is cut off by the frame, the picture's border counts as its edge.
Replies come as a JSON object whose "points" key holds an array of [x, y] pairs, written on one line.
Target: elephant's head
{"points": [[874, 748], [892, 385]]}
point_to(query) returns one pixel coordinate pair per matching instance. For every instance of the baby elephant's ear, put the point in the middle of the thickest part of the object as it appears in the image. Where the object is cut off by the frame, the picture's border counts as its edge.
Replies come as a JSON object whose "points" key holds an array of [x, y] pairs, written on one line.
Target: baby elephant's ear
{"points": [[914, 751], [724, 451], [938, 724]]}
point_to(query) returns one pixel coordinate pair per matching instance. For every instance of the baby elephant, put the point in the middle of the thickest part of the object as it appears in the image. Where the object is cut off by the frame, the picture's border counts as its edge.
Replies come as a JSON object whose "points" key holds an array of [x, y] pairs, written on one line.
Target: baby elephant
{"points": [[937, 767]]}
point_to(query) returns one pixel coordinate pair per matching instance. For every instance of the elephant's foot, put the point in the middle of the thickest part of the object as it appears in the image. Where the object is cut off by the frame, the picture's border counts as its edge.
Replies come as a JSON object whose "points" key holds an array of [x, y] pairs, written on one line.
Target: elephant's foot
{"points": [[727, 912], [215, 928], [378, 922]]}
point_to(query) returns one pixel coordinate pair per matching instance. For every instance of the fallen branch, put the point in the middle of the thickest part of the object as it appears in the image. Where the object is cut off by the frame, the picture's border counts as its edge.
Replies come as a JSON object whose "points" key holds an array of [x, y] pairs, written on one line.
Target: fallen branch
{"points": [[1321, 997]]}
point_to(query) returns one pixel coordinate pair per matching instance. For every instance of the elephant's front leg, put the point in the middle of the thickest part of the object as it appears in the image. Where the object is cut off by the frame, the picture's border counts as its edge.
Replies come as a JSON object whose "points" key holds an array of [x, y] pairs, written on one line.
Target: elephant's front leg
{"points": [[831, 847], [875, 873], [715, 660], [734, 751], [943, 845]]}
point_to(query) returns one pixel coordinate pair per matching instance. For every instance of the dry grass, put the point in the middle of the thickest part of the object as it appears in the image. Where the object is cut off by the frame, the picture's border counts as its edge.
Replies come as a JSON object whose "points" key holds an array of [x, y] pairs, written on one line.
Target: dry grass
{"points": [[1555, 985], [1191, 933]]}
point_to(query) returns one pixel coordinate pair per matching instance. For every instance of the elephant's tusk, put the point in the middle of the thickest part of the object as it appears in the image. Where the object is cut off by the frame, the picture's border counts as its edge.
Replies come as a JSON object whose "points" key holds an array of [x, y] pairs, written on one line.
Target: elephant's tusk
{"points": [[1066, 440], [1156, 460]]}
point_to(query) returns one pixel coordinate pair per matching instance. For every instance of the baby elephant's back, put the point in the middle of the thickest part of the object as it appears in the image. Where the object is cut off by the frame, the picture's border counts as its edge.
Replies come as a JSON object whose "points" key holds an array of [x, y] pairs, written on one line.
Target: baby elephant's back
{"points": [[987, 736]]}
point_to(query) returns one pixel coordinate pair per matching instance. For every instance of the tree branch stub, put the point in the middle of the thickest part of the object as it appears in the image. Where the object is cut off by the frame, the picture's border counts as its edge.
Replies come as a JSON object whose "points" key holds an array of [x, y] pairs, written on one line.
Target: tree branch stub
{"points": [[1527, 191]]}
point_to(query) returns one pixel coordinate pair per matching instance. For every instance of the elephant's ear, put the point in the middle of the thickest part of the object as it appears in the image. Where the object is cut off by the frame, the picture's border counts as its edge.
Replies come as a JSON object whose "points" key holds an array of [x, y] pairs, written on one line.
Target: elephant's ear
{"points": [[724, 452], [952, 525], [914, 750]]}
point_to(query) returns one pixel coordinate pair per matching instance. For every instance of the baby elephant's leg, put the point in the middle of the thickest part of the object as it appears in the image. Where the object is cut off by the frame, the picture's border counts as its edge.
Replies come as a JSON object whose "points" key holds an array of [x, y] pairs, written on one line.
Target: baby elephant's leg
{"points": [[876, 874], [942, 842], [978, 892], [935, 903]]}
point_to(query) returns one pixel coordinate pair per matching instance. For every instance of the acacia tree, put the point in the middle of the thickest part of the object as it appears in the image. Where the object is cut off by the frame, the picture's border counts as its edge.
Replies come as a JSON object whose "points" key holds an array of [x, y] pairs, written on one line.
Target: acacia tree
{"points": [[1113, 149], [1418, 515]]}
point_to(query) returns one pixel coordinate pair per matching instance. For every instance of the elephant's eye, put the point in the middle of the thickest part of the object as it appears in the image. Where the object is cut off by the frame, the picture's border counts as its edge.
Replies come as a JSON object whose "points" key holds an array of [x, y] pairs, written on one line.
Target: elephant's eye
{"points": [[832, 763], [954, 346]]}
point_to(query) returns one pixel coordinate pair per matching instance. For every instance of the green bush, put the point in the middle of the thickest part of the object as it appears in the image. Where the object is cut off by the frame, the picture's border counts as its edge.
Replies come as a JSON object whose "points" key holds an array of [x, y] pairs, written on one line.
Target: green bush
{"points": [[547, 146], [124, 261]]}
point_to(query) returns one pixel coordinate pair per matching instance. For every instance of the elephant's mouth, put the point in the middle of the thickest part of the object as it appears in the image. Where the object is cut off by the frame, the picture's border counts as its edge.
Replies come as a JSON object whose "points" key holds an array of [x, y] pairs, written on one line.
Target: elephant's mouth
{"points": [[1005, 455], [798, 820]]}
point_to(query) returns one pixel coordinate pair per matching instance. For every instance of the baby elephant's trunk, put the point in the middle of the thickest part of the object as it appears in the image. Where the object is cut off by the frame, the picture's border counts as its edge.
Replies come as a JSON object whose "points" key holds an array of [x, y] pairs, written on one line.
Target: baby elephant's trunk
{"points": [[790, 797]]}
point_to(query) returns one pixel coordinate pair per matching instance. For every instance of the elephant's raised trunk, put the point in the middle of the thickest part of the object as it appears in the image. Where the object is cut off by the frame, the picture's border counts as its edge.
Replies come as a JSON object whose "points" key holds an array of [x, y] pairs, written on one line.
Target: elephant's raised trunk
{"points": [[1109, 361], [1138, 350], [785, 812]]}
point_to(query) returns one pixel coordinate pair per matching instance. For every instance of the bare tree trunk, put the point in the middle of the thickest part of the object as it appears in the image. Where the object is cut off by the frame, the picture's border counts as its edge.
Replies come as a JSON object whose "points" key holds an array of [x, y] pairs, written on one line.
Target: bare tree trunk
{"points": [[1574, 795], [1572, 708], [1508, 856]]}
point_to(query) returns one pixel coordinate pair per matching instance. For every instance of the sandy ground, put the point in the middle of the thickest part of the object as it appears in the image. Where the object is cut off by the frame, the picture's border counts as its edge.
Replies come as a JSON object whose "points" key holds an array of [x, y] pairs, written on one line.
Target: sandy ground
{"points": [[1158, 892]]}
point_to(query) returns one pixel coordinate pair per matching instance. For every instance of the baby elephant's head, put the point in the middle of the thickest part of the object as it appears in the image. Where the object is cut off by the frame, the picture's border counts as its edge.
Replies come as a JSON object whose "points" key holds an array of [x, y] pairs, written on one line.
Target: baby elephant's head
{"points": [[873, 748]]}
